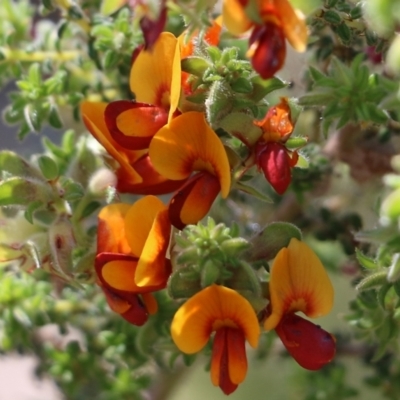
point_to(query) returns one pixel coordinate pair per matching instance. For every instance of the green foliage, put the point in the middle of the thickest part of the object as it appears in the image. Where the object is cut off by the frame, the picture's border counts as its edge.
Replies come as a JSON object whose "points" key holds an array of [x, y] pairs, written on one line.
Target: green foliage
{"points": [[48, 204], [348, 94]]}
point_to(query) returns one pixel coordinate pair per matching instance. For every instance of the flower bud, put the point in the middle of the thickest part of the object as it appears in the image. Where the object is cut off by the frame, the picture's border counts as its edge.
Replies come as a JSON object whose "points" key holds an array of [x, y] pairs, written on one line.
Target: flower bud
{"points": [[101, 180]]}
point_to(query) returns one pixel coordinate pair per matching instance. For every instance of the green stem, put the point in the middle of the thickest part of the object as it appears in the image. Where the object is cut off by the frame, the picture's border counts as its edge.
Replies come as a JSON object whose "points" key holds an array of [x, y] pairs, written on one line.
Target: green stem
{"points": [[7, 54]]}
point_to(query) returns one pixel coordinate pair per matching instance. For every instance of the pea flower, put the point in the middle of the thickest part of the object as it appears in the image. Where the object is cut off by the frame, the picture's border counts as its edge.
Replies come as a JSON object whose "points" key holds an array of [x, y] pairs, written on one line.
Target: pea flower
{"points": [[272, 156], [155, 80], [299, 282], [135, 172], [223, 310], [186, 145], [131, 258], [272, 21]]}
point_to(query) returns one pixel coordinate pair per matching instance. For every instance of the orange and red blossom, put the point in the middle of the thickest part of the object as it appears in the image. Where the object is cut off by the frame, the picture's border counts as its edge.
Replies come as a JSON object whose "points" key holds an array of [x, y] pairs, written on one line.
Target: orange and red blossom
{"points": [[155, 80], [276, 21], [271, 155], [135, 172], [223, 310], [186, 145], [299, 282], [132, 243]]}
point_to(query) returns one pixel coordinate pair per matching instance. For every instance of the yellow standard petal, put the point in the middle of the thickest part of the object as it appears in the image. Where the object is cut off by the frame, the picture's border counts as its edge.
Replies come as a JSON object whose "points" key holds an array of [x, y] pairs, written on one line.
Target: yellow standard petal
{"points": [[188, 144], [208, 310], [121, 275], [156, 74], [139, 221], [298, 282], [293, 24], [234, 17]]}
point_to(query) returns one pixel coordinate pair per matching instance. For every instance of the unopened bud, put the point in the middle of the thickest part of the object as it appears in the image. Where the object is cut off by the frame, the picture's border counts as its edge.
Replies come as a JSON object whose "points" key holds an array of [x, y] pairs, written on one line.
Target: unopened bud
{"points": [[101, 180]]}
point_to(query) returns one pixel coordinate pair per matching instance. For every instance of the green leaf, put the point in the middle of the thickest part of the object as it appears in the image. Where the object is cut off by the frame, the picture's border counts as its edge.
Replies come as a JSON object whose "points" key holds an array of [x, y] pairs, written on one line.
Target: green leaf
{"points": [[48, 167], [365, 261], [242, 85], [54, 118], [302, 162], [253, 192], [373, 281], [195, 65], [16, 165], [262, 87], [21, 191], [316, 98], [179, 287], [273, 238], [34, 74], [90, 209], [32, 207]]}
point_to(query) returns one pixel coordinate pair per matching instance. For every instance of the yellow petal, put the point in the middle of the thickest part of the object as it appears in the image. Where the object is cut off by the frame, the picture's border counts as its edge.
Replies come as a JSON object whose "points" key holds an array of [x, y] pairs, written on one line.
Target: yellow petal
{"points": [[139, 221], [293, 25], [208, 310], [298, 282], [156, 74], [111, 229], [93, 117], [188, 144], [120, 275], [152, 268], [234, 17]]}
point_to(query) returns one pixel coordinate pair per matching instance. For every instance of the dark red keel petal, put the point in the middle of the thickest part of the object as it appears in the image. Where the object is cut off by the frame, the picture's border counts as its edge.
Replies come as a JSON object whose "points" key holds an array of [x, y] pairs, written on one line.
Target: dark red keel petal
{"points": [[275, 162], [270, 49], [140, 122], [220, 360], [136, 312], [152, 28], [153, 183], [193, 200], [307, 343]]}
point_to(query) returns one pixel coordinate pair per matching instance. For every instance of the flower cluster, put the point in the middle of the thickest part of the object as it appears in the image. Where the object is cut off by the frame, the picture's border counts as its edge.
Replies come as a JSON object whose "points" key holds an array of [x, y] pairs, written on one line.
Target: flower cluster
{"points": [[160, 145], [298, 282]]}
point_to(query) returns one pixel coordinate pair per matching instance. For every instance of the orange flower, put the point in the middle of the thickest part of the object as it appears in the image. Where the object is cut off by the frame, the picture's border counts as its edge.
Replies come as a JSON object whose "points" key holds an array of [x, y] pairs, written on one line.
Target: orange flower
{"points": [[272, 156], [273, 21], [131, 256], [135, 172], [188, 144], [223, 310], [299, 282], [155, 80]]}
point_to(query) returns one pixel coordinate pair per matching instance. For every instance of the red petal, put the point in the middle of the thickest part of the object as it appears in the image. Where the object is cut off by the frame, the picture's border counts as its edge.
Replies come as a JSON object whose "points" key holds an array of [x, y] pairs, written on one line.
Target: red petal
{"points": [[153, 182], [307, 343], [220, 360], [275, 162], [142, 121], [152, 28], [193, 200], [268, 43], [136, 314]]}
